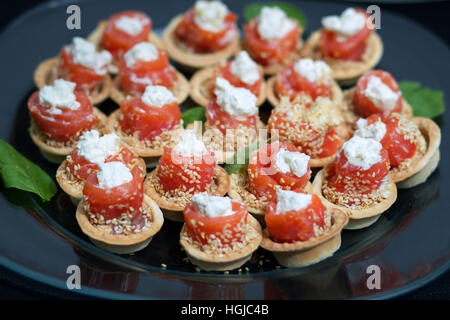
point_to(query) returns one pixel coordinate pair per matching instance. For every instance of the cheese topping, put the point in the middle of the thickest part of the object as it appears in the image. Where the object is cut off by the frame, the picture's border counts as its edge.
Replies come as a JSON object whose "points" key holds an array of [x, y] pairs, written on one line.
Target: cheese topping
{"points": [[96, 149], [157, 96], [274, 24], [131, 25], [245, 68], [291, 200], [380, 94], [143, 51], [212, 206], [292, 162], [362, 152], [349, 23], [189, 145], [376, 130], [59, 96], [314, 71], [210, 15], [113, 174], [84, 53], [238, 102]]}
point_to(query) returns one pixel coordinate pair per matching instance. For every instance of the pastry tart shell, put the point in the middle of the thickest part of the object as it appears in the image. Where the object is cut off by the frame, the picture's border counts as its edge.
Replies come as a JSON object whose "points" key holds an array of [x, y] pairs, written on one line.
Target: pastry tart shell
{"points": [[47, 72], [120, 243], [201, 83], [58, 154], [191, 60], [346, 72], [314, 250], [226, 261], [359, 217], [171, 209]]}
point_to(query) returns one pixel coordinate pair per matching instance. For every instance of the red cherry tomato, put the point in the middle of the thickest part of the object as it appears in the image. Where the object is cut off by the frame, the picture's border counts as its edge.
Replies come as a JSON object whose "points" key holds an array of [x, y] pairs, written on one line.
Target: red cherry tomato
{"points": [[201, 40], [69, 123], [295, 225], [208, 230]]}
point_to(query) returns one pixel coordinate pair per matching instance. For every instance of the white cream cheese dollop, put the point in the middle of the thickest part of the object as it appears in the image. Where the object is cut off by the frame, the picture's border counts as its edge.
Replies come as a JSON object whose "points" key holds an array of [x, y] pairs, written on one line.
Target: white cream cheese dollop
{"points": [[96, 149], [347, 24], [290, 200], [274, 24], [245, 68], [113, 174], [212, 206], [238, 102], [84, 53], [362, 152], [157, 96], [59, 96]]}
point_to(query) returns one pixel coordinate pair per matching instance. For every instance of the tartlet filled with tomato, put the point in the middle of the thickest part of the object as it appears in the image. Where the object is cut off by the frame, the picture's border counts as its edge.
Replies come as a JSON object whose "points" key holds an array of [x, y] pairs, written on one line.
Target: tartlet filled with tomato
{"points": [[358, 182], [412, 145], [121, 32], [305, 76], [273, 166], [315, 128], [184, 170], [241, 72], [143, 65], [232, 120], [272, 39], [148, 123], [114, 212], [300, 230], [376, 92], [59, 116], [203, 36], [347, 43], [218, 233], [82, 64], [91, 151]]}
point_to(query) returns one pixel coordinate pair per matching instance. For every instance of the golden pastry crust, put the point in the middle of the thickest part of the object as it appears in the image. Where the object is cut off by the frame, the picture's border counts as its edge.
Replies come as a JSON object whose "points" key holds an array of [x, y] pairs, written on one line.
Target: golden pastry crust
{"points": [[351, 116], [314, 250], [272, 96], [372, 211], [202, 82], [54, 153], [151, 153], [346, 72], [180, 89], [185, 56], [73, 186], [121, 243], [211, 261], [239, 191], [422, 165], [173, 206], [47, 72]]}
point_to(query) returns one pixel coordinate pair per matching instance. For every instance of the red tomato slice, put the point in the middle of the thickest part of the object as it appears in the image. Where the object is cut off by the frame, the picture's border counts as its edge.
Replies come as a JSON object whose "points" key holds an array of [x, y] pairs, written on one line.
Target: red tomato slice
{"points": [[216, 116], [264, 177], [112, 203], [308, 143], [81, 168], [267, 52], [204, 40], [363, 105], [189, 174], [136, 78], [345, 177], [225, 72], [290, 83], [147, 121], [118, 41], [295, 225], [85, 78], [62, 127], [352, 48], [208, 230]]}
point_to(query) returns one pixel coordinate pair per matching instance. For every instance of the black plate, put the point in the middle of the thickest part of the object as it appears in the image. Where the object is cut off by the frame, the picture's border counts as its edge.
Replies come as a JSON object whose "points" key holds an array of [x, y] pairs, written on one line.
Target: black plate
{"points": [[410, 243]]}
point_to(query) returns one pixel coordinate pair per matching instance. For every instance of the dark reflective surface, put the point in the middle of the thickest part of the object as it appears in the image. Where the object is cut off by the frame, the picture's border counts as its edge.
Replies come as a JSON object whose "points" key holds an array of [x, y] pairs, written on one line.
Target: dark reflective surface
{"points": [[410, 242]]}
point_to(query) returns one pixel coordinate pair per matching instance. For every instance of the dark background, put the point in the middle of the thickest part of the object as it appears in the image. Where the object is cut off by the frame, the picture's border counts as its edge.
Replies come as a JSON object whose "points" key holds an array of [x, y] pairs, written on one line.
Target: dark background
{"points": [[433, 15]]}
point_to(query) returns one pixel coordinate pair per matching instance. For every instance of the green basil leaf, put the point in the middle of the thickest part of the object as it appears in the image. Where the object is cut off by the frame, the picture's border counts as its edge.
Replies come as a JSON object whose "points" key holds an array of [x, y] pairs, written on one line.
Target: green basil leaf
{"points": [[193, 114], [240, 159], [424, 101], [20, 173], [252, 10]]}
